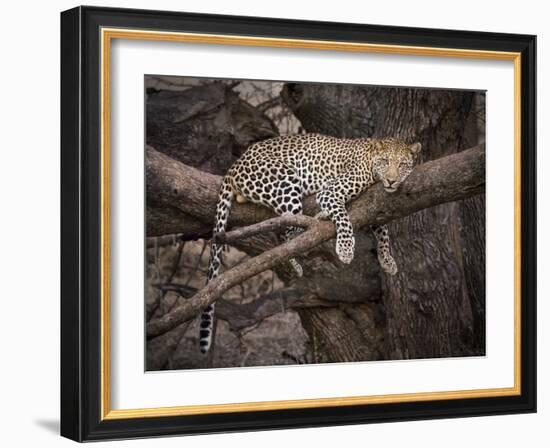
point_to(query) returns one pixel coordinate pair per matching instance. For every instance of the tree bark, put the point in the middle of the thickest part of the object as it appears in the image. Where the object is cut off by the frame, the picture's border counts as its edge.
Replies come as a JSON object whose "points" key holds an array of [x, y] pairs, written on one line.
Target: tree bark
{"points": [[344, 334]]}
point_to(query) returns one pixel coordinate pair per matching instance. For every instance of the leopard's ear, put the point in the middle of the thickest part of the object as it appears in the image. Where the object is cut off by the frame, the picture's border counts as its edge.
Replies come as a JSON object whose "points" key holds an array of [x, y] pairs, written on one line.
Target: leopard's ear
{"points": [[415, 148]]}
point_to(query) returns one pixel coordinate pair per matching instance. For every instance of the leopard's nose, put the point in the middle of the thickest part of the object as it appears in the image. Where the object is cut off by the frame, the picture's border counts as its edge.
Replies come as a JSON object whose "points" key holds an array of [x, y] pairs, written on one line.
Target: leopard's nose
{"points": [[392, 175]]}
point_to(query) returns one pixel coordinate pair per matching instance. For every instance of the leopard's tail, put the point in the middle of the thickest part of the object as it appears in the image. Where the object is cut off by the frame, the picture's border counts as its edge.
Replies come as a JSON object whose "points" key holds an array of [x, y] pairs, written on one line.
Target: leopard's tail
{"points": [[225, 200]]}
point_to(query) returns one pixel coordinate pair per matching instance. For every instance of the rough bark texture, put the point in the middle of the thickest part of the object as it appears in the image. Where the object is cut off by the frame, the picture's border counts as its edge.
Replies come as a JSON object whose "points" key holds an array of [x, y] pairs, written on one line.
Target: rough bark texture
{"points": [[344, 334], [430, 304]]}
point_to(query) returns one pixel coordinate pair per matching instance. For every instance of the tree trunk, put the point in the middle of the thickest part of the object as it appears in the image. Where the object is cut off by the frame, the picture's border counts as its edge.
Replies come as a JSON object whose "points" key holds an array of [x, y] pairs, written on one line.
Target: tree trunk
{"points": [[343, 334], [434, 306]]}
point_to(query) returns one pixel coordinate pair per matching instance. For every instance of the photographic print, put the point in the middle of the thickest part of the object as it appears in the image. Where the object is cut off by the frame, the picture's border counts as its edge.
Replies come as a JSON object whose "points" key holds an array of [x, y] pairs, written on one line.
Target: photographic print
{"points": [[292, 210]]}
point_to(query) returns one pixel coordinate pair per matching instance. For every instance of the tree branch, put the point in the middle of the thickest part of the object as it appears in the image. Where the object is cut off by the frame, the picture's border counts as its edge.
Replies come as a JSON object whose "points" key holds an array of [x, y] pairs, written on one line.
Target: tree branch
{"points": [[451, 178], [269, 225], [244, 315]]}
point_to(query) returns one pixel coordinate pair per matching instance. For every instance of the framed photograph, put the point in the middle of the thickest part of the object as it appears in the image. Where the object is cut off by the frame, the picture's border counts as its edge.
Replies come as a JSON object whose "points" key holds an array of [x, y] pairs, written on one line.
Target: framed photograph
{"points": [[276, 224]]}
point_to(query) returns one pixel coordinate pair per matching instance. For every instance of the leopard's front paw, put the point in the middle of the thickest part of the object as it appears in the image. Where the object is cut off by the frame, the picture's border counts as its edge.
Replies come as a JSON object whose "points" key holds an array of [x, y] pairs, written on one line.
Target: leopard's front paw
{"points": [[388, 264], [345, 249]]}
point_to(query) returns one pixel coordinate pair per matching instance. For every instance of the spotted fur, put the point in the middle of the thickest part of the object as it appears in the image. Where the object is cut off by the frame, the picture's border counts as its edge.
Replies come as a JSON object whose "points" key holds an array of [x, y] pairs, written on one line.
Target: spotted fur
{"points": [[279, 172]]}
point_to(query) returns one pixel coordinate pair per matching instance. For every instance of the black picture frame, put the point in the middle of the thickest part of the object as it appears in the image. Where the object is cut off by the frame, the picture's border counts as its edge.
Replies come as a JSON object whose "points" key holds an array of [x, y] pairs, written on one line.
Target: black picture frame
{"points": [[81, 413]]}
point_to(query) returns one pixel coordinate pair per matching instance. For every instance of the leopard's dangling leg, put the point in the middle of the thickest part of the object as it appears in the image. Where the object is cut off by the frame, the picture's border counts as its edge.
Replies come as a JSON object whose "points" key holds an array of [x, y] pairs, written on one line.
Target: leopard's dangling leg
{"points": [[292, 232], [332, 202], [385, 258], [345, 240], [293, 204]]}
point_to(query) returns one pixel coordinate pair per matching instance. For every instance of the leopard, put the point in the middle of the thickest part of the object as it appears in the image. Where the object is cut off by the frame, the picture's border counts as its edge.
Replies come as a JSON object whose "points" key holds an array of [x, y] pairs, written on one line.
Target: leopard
{"points": [[280, 172]]}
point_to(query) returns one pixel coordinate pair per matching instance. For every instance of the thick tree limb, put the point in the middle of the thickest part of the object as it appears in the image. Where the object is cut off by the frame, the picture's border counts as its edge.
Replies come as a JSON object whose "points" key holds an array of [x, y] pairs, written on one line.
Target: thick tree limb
{"points": [[279, 223], [457, 176], [165, 220]]}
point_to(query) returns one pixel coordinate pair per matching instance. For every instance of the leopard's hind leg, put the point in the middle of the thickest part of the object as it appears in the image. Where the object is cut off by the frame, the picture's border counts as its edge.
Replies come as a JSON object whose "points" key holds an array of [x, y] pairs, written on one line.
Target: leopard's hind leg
{"points": [[292, 232], [278, 187]]}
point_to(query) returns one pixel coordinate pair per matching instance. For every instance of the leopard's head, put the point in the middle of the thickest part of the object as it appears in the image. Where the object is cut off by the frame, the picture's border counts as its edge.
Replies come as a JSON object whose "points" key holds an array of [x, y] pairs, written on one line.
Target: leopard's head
{"points": [[393, 162]]}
